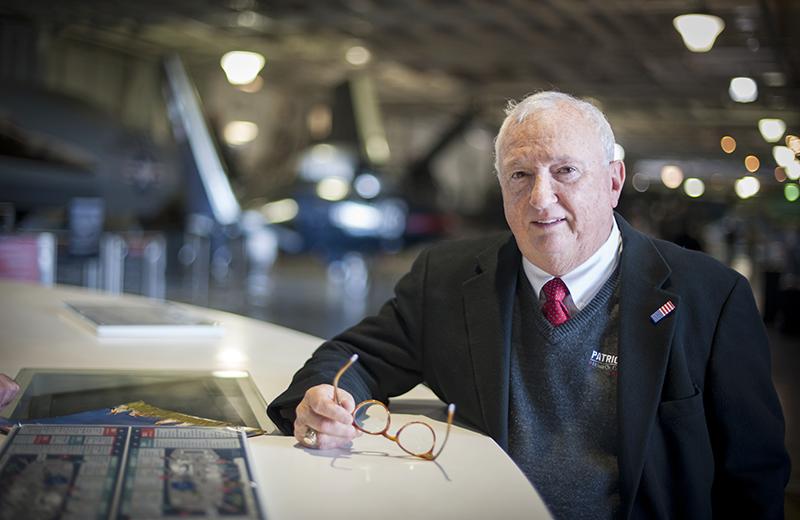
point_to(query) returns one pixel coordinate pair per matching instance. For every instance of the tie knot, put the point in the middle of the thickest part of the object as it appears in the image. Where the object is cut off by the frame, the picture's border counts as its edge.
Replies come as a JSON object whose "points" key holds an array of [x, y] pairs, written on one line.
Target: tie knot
{"points": [[553, 308], [555, 290]]}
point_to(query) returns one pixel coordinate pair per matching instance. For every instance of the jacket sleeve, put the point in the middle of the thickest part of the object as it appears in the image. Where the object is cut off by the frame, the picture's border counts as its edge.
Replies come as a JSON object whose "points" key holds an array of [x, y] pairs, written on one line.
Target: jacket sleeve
{"points": [[744, 416], [389, 346]]}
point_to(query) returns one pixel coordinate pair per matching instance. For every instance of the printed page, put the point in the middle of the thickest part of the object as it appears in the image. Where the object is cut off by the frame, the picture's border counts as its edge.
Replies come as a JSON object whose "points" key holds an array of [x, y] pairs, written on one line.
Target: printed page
{"points": [[188, 472], [60, 471], [99, 472]]}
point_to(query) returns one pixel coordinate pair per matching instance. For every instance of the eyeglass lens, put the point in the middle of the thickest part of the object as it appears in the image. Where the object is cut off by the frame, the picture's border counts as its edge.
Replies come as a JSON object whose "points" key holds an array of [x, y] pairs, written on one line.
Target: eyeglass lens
{"points": [[372, 418], [416, 438]]}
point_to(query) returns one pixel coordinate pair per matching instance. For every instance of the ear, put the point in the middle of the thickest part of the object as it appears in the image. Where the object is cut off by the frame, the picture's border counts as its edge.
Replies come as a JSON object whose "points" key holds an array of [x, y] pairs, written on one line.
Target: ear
{"points": [[617, 181]]}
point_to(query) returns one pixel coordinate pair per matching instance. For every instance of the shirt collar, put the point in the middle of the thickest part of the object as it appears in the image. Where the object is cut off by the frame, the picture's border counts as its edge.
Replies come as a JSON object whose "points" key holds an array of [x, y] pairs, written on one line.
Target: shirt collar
{"points": [[586, 280]]}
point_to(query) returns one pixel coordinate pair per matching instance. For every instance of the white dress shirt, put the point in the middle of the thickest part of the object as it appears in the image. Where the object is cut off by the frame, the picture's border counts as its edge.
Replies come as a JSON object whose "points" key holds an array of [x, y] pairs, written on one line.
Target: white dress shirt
{"points": [[585, 281]]}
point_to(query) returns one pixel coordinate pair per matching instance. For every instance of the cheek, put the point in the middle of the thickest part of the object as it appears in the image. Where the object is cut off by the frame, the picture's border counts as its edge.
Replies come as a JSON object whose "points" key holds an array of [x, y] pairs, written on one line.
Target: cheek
{"points": [[588, 210], [512, 199], [588, 201], [509, 211], [513, 194], [514, 210]]}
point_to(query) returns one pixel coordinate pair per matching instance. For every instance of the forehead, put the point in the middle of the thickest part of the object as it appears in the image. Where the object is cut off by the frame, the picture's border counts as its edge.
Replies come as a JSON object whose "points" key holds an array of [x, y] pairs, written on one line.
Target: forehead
{"points": [[553, 134]]}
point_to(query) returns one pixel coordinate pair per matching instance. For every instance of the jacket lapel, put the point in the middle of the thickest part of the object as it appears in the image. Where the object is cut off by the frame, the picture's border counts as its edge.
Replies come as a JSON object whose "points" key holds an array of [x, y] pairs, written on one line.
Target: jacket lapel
{"points": [[488, 305], [643, 352]]}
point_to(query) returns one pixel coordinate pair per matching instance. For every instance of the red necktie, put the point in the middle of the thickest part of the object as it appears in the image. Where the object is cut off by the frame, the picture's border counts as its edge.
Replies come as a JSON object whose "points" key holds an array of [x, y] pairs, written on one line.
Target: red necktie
{"points": [[554, 309]]}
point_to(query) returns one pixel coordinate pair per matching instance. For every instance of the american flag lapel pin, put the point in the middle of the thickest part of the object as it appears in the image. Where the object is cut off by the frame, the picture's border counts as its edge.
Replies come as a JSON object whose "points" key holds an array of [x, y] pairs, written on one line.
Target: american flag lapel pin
{"points": [[662, 312]]}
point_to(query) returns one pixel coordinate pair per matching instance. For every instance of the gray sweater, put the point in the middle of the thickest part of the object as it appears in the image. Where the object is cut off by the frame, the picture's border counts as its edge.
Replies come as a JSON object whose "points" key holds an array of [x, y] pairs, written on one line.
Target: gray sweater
{"points": [[563, 403]]}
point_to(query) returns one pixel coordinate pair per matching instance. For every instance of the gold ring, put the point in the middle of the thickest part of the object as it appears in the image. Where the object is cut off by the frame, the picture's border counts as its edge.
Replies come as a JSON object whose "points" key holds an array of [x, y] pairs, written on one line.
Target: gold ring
{"points": [[310, 437]]}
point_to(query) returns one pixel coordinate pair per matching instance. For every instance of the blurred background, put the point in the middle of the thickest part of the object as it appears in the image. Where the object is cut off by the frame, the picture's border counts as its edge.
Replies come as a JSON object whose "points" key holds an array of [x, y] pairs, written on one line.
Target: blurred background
{"points": [[287, 159]]}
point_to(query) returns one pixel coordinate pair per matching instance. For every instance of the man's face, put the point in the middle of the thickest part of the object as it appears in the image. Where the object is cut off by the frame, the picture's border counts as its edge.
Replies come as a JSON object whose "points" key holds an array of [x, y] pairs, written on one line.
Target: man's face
{"points": [[559, 189]]}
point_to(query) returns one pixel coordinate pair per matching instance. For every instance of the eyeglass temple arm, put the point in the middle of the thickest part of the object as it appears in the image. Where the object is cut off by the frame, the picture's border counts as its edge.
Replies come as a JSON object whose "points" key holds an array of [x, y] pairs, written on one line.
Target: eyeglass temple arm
{"points": [[341, 371], [451, 410]]}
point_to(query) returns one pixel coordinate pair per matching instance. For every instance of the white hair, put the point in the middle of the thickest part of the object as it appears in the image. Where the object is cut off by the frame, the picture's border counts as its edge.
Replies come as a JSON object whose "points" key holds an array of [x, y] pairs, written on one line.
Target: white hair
{"points": [[534, 104]]}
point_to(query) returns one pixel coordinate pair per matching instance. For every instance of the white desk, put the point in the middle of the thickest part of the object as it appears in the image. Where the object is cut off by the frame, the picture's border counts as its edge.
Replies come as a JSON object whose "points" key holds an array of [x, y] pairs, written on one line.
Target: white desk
{"points": [[473, 478]]}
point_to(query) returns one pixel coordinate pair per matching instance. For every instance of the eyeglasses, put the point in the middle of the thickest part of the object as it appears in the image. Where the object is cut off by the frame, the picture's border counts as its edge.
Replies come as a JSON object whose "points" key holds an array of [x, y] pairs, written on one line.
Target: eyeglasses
{"points": [[416, 438]]}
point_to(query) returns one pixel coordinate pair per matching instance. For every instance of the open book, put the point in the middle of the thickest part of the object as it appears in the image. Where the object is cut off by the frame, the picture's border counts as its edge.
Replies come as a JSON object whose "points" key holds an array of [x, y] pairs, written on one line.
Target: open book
{"points": [[146, 319], [131, 472]]}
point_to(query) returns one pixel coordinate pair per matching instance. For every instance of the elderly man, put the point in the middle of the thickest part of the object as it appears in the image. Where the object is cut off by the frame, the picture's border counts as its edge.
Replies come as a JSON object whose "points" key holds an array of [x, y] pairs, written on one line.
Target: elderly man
{"points": [[625, 376]]}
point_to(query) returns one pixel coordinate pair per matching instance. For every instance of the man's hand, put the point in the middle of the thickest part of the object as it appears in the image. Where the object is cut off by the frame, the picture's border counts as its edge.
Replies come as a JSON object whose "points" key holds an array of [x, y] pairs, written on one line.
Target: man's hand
{"points": [[333, 422], [8, 389]]}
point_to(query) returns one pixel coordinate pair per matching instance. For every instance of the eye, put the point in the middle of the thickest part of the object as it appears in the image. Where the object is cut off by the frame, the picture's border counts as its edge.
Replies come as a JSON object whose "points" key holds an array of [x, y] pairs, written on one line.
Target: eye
{"points": [[566, 170], [567, 173], [517, 175]]}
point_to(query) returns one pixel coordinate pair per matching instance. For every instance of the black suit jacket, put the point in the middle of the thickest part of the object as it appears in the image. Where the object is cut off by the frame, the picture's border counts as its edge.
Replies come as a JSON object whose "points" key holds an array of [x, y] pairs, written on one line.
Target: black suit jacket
{"points": [[700, 426]]}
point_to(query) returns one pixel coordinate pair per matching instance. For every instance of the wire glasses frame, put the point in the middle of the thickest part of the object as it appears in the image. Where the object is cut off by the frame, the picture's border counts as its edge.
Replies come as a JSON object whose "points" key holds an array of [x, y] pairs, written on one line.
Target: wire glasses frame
{"points": [[365, 405]]}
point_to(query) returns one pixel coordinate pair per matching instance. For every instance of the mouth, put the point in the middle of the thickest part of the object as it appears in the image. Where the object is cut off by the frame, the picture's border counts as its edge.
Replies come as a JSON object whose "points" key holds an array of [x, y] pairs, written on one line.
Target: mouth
{"points": [[545, 223]]}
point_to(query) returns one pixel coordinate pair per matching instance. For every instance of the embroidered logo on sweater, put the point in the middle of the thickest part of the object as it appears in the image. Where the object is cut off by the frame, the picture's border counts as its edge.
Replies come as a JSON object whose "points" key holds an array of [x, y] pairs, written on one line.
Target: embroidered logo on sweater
{"points": [[606, 362]]}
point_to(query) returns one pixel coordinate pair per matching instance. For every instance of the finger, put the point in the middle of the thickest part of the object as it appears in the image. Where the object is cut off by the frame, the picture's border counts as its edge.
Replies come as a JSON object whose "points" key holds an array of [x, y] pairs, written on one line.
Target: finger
{"points": [[346, 401], [331, 428], [305, 416], [8, 393], [320, 398], [323, 441], [328, 442], [326, 425], [300, 432], [8, 385], [325, 406]]}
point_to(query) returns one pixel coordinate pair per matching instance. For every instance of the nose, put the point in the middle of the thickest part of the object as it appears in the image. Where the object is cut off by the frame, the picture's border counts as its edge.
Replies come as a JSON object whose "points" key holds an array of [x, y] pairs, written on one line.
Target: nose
{"points": [[542, 193]]}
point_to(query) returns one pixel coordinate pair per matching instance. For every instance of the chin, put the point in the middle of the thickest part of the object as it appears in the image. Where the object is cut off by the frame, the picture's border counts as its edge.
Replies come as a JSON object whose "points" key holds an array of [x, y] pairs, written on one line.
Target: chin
{"points": [[547, 240]]}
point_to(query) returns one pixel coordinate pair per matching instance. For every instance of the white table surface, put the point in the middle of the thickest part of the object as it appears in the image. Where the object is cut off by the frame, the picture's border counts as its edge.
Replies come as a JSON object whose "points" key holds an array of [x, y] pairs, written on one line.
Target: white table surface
{"points": [[473, 478]]}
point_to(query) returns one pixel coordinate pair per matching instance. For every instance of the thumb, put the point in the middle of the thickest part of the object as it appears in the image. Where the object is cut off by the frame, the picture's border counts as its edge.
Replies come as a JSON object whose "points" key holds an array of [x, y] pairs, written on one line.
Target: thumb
{"points": [[346, 400]]}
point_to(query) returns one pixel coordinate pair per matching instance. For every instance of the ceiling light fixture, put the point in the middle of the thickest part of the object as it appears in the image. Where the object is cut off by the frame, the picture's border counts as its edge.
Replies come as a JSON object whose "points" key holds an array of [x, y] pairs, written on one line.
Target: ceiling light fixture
{"points": [[747, 187], [280, 211], [237, 133], [333, 188], [783, 155], [694, 187], [242, 67], [771, 129], [752, 163], [367, 185], [743, 90], [793, 143], [358, 56], [671, 176], [728, 144], [791, 192], [698, 31], [640, 182], [792, 171]]}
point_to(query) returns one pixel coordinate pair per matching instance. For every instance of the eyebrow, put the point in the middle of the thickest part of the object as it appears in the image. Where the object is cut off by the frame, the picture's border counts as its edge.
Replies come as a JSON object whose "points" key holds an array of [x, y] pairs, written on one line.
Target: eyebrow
{"points": [[518, 163]]}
